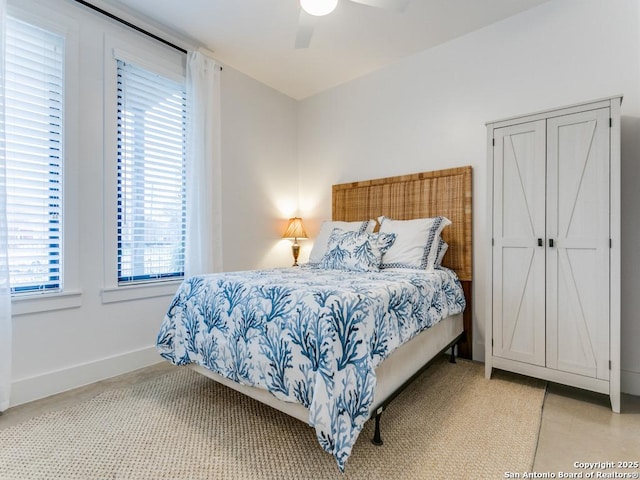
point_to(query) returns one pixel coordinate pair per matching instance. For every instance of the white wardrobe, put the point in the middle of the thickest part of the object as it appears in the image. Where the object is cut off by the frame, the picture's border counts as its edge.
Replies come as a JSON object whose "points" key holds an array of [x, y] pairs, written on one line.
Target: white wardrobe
{"points": [[554, 198]]}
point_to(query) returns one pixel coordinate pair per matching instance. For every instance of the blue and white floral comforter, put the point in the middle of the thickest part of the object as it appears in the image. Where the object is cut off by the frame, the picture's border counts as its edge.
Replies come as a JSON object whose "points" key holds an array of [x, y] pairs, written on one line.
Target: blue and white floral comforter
{"points": [[307, 335]]}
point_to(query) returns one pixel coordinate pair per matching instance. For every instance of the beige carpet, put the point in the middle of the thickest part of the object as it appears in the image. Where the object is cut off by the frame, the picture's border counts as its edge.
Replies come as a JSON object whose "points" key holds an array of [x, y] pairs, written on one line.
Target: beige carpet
{"points": [[451, 423]]}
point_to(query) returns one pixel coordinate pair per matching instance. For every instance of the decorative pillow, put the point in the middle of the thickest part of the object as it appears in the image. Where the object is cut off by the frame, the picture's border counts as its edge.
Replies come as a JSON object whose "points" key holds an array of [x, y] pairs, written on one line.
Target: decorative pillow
{"points": [[356, 251], [442, 249], [416, 244], [320, 244]]}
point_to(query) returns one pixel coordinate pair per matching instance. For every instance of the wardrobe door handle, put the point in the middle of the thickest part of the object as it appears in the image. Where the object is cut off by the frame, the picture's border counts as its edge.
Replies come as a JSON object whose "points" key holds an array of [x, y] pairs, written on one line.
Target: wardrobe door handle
{"points": [[551, 242], [540, 242]]}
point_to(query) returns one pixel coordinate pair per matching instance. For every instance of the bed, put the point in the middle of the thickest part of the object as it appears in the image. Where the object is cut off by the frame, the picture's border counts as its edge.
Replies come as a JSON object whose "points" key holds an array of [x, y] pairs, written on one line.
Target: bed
{"points": [[332, 347]]}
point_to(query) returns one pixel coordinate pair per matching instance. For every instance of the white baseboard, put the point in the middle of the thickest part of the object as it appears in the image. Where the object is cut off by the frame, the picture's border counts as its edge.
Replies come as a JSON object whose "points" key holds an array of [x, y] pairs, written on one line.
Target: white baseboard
{"points": [[40, 386], [50, 383], [478, 351], [630, 382]]}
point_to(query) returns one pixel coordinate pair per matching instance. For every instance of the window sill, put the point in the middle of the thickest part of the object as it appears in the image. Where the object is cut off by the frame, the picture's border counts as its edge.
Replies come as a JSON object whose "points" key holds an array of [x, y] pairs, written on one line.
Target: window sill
{"points": [[45, 302], [140, 291]]}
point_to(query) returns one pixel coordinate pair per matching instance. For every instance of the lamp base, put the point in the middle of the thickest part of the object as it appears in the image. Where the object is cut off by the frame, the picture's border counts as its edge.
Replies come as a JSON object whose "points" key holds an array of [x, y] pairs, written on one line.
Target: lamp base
{"points": [[295, 249]]}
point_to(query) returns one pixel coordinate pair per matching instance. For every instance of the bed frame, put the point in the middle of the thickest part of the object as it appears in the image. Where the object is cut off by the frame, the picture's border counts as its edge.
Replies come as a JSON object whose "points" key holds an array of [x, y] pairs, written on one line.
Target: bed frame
{"points": [[443, 192]]}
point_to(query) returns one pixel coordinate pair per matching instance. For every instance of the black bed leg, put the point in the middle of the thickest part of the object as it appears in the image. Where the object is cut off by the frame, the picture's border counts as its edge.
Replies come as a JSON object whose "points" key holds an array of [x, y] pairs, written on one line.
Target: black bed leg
{"points": [[377, 439], [452, 358]]}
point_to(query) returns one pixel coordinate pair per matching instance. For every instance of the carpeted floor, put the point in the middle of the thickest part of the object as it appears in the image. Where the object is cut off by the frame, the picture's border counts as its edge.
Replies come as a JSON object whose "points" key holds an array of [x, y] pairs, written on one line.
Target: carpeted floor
{"points": [[450, 423]]}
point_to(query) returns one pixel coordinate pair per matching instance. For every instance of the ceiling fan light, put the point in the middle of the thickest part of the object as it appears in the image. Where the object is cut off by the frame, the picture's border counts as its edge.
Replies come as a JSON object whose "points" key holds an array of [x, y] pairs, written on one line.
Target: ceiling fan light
{"points": [[318, 7]]}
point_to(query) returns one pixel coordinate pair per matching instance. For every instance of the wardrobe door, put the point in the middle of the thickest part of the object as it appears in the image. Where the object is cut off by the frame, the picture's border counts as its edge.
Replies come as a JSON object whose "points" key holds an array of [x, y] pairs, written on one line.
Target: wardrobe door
{"points": [[578, 243], [518, 242]]}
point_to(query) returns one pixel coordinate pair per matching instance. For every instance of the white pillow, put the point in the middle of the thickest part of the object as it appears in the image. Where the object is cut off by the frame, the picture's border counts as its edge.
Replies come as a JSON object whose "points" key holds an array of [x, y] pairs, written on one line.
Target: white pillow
{"points": [[416, 244], [320, 244], [442, 249]]}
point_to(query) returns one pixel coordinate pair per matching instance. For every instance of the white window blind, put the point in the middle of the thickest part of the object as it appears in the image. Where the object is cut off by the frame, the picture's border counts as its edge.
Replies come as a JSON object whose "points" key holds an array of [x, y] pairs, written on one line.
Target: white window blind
{"points": [[34, 155], [151, 175]]}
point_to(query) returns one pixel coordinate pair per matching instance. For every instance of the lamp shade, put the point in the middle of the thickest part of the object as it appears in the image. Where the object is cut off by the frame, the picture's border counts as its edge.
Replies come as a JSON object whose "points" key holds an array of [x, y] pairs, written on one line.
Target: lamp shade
{"points": [[295, 229]]}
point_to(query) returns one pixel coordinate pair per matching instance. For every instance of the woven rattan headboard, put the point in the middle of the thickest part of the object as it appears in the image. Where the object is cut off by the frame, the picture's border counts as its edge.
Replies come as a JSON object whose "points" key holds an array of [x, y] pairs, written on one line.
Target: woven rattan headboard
{"points": [[441, 192]]}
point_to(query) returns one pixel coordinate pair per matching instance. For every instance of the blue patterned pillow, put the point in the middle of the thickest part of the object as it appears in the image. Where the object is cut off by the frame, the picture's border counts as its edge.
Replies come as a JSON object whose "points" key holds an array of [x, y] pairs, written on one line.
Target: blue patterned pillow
{"points": [[320, 244], [356, 251]]}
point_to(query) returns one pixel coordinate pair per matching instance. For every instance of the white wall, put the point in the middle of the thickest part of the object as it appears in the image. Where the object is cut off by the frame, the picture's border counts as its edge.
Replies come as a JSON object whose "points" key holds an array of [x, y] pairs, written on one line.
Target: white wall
{"points": [[57, 350], [428, 112], [260, 173]]}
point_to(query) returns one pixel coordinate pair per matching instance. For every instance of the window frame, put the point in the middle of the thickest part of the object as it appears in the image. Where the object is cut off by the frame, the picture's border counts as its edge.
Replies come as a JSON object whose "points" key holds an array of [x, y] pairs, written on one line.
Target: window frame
{"points": [[49, 169], [164, 61], [70, 294], [139, 169]]}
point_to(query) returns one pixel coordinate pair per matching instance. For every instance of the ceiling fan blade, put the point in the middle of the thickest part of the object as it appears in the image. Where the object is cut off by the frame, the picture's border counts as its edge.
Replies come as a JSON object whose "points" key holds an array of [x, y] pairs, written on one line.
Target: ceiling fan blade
{"points": [[305, 30], [395, 5]]}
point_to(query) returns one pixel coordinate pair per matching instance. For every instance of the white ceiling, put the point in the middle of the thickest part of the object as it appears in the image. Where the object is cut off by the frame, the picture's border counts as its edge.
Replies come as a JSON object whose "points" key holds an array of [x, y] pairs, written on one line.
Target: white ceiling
{"points": [[257, 37]]}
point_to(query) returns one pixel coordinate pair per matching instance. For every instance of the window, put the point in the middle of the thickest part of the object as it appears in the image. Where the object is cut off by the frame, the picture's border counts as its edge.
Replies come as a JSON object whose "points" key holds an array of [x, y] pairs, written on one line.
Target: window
{"points": [[151, 175], [34, 149]]}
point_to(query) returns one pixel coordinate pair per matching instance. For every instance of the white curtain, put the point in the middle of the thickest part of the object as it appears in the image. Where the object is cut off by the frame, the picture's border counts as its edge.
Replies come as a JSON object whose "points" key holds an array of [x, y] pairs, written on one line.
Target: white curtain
{"points": [[204, 169], [5, 294]]}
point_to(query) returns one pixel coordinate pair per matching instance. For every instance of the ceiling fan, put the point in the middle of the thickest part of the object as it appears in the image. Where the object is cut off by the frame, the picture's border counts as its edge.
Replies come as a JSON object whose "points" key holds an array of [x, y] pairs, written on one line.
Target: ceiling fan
{"points": [[312, 9]]}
